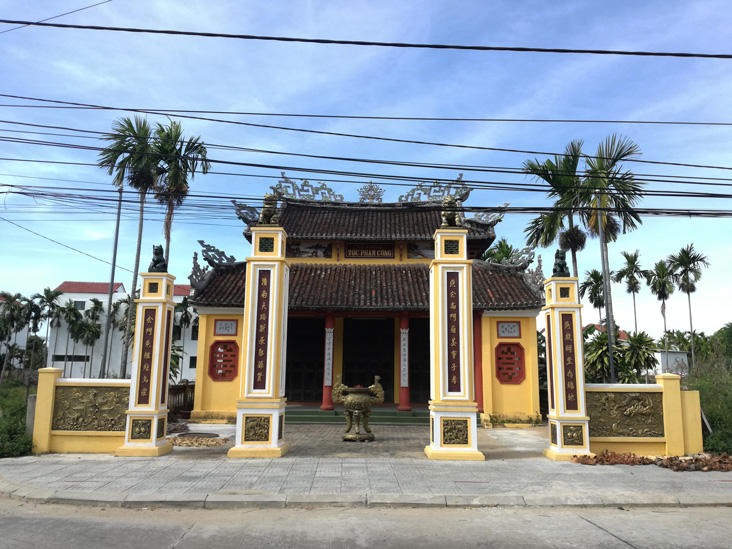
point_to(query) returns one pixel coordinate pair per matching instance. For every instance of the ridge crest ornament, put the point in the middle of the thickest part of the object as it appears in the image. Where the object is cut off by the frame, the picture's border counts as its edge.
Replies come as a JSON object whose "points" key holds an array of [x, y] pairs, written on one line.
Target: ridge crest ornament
{"points": [[424, 192]]}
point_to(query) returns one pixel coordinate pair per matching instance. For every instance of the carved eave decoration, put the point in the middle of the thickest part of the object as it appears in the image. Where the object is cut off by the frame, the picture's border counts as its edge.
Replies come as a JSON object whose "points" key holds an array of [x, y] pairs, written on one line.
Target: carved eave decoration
{"points": [[436, 192], [218, 262]]}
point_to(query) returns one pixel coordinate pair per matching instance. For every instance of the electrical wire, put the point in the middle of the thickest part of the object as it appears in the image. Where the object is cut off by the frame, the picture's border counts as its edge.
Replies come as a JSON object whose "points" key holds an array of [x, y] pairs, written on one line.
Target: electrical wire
{"points": [[57, 16], [518, 49]]}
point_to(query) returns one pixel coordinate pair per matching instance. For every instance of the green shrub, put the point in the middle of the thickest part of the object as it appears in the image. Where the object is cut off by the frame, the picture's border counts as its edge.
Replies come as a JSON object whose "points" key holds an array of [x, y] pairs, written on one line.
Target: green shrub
{"points": [[714, 383], [14, 441]]}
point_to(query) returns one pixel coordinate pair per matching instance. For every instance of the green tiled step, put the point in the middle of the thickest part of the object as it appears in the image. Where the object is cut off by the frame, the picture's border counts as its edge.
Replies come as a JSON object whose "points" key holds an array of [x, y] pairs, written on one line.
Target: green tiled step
{"points": [[378, 417]]}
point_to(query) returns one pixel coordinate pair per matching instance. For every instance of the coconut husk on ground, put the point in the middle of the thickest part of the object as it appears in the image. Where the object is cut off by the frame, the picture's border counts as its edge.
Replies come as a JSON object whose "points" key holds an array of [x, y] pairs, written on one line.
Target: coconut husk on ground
{"points": [[699, 462]]}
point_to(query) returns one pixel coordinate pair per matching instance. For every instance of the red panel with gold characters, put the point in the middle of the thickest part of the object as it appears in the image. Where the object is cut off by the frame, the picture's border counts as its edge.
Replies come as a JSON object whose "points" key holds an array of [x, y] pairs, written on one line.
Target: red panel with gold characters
{"points": [[166, 360], [570, 367], [510, 363], [261, 334], [223, 361], [453, 332], [550, 360], [147, 349]]}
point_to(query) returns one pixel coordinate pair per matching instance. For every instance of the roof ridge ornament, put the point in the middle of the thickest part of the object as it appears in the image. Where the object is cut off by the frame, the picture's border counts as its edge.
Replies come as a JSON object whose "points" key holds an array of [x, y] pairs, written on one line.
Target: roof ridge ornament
{"points": [[492, 217], [435, 192], [287, 188], [198, 276], [371, 193], [213, 256]]}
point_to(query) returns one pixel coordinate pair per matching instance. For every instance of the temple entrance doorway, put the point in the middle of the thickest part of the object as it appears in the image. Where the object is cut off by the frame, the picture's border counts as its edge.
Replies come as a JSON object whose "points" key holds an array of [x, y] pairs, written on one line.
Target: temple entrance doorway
{"points": [[305, 354], [419, 360], [368, 351]]}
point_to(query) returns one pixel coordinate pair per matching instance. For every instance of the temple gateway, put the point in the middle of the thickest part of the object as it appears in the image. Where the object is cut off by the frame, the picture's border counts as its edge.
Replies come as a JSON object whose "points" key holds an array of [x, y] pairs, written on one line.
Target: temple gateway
{"points": [[358, 289]]}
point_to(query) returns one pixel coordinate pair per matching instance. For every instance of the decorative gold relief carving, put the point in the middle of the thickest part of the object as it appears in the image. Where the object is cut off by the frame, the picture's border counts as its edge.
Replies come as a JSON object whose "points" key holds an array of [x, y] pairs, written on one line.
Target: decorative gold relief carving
{"points": [[572, 435], [256, 429], [553, 433], [90, 408], [161, 427], [140, 429], [281, 430], [620, 414], [455, 431]]}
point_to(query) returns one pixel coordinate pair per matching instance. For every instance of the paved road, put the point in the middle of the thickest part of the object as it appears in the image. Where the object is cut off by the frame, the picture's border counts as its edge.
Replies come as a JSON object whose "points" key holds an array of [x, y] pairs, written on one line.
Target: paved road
{"points": [[25, 524]]}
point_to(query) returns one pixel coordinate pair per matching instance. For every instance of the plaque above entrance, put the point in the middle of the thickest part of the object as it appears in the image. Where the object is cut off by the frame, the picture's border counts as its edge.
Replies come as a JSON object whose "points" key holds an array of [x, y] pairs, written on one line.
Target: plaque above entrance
{"points": [[369, 250]]}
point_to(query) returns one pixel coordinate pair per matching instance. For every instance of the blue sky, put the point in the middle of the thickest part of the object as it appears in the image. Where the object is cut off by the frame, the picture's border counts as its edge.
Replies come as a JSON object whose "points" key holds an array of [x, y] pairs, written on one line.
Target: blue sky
{"points": [[165, 72]]}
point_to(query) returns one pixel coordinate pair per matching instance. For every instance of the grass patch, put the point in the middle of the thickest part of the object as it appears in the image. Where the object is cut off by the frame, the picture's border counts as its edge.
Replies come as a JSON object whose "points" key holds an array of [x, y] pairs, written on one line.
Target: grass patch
{"points": [[714, 383], [14, 441]]}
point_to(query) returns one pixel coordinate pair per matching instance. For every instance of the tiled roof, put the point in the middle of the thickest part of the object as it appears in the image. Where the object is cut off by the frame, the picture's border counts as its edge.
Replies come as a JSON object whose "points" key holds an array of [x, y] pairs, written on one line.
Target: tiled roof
{"points": [[181, 289], [70, 287], [385, 287], [312, 220]]}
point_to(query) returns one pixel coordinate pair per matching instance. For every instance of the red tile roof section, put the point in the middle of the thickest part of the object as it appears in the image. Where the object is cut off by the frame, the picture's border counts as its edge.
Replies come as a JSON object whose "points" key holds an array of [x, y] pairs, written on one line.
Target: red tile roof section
{"points": [[386, 287], [69, 287], [181, 289]]}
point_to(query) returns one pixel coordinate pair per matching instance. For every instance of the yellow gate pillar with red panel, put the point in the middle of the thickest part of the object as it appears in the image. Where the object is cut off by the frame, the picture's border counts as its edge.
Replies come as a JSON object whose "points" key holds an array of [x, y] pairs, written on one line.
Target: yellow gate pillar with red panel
{"points": [[148, 409], [453, 424], [260, 415], [568, 420]]}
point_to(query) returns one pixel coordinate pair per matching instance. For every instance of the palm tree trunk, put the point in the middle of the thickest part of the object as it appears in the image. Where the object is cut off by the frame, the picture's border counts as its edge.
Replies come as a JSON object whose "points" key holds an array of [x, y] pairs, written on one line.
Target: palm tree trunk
{"points": [[128, 327], [91, 362], [73, 356], [83, 371], [665, 335], [66, 350], [574, 252], [635, 316], [691, 329], [168, 226], [609, 320], [55, 341], [5, 363]]}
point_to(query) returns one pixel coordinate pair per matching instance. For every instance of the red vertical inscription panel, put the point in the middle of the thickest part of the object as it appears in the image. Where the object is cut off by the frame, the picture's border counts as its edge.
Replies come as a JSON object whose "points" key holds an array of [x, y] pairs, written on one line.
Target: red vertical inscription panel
{"points": [[166, 361], [550, 360], [261, 329], [453, 333], [147, 348], [570, 368]]}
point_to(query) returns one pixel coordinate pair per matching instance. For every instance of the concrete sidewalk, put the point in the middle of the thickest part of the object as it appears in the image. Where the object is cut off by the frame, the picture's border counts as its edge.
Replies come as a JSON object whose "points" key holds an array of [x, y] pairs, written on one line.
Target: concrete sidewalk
{"points": [[321, 470]]}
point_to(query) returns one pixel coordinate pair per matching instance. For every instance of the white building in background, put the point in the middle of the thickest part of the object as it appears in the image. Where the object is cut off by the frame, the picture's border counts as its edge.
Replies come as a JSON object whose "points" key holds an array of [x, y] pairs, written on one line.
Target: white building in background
{"points": [[82, 361]]}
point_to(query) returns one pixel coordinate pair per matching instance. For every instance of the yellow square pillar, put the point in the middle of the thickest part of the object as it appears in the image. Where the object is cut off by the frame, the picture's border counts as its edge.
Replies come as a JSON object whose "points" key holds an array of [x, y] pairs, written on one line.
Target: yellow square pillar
{"points": [[45, 401], [260, 415], [453, 411], [148, 409], [568, 420], [673, 421]]}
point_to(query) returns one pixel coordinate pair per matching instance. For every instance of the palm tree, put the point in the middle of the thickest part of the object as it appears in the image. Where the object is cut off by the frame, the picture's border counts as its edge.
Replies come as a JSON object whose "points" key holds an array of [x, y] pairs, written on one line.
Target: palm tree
{"points": [[498, 252], [184, 320], [179, 158], [610, 190], [92, 331], [48, 302], [661, 282], [592, 286], [131, 154], [686, 267], [11, 308], [32, 315], [564, 182], [71, 316], [632, 274]]}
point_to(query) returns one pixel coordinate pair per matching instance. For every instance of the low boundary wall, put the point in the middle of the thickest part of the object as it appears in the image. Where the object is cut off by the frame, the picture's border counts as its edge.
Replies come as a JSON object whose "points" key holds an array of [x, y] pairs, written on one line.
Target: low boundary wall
{"points": [[647, 420], [79, 415]]}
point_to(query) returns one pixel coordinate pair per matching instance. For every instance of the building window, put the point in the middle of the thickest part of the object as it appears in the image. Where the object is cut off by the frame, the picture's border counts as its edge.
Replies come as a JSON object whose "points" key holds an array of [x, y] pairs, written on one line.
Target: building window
{"points": [[452, 247], [80, 305], [192, 362], [266, 244], [194, 332], [176, 333]]}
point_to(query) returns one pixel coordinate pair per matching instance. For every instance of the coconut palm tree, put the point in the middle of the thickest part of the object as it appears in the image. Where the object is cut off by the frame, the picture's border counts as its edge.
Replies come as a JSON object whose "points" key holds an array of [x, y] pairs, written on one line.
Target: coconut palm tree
{"points": [[686, 267], [179, 158], [592, 286], [11, 308], [33, 315], [132, 158], [661, 282], [632, 274], [564, 186], [71, 317], [498, 252], [48, 302]]}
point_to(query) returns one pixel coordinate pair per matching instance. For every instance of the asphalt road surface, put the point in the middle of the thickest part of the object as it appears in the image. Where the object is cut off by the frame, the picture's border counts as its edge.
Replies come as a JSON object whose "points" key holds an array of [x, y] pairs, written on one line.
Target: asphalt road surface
{"points": [[50, 526]]}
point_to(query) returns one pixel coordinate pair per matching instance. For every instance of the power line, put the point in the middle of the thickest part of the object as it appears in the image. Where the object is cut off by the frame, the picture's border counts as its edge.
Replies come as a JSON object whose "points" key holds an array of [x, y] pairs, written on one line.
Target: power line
{"points": [[61, 243], [57, 16], [519, 49], [390, 118], [336, 134]]}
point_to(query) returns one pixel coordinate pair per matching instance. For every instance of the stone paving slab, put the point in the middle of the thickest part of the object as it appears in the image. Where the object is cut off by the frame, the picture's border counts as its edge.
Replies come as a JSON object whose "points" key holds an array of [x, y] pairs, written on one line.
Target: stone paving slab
{"points": [[322, 470]]}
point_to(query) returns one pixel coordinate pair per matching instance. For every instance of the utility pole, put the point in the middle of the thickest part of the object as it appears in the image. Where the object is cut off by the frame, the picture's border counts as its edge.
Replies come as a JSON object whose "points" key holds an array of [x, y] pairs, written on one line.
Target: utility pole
{"points": [[103, 367]]}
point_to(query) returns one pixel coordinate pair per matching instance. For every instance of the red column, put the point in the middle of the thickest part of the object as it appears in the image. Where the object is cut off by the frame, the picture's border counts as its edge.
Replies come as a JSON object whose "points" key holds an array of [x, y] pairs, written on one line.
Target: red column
{"points": [[404, 405], [328, 364], [478, 358]]}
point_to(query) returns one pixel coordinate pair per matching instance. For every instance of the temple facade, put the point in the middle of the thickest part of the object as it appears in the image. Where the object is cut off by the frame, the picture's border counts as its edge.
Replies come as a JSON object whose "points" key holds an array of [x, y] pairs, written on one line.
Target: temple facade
{"points": [[358, 306]]}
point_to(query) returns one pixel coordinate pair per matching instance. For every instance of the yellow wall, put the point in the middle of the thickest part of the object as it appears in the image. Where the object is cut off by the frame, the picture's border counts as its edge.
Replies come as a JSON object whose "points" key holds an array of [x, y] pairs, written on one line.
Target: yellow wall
{"points": [[691, 410], [87, 442], [519, 402], [215, 400]]}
